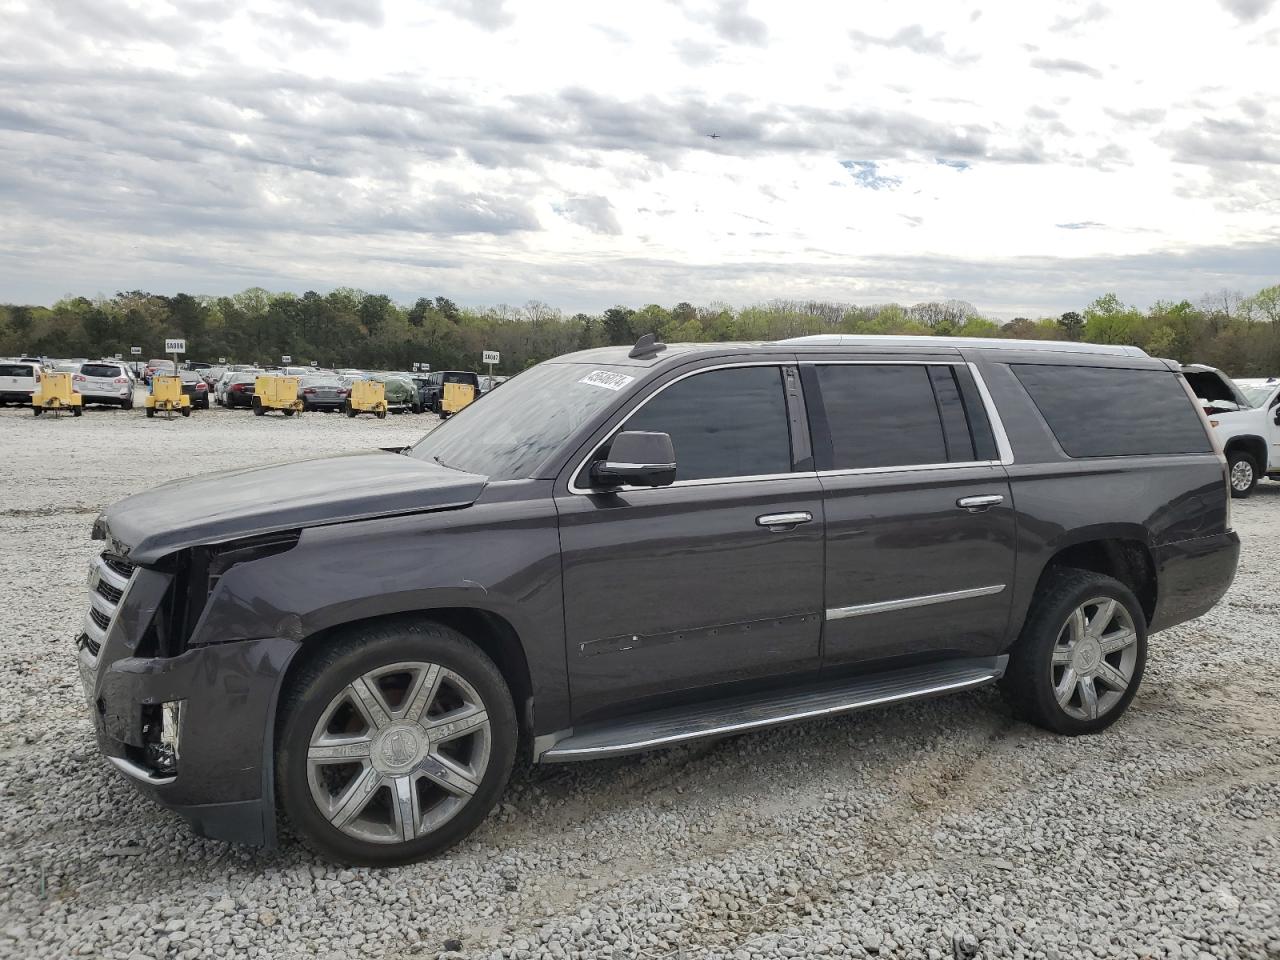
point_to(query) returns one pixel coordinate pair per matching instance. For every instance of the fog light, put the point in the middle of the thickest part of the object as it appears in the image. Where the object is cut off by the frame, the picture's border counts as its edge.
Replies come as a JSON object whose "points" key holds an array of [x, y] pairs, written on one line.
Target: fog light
{"points": [[171, 725]]}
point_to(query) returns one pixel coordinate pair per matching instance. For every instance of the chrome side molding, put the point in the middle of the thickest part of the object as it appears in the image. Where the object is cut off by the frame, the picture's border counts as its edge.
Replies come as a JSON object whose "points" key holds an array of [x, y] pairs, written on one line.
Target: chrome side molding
{"points": [[884, 606]]}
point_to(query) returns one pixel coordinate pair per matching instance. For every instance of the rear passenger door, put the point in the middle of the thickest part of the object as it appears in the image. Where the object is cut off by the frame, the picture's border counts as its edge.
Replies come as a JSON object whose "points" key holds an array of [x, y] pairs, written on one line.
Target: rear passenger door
{"points": [[920, 526]]}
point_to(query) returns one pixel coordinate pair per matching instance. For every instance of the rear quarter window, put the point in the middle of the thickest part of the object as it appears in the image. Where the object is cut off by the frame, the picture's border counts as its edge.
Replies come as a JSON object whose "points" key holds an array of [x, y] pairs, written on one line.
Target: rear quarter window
{"points": [[1114, 412]]}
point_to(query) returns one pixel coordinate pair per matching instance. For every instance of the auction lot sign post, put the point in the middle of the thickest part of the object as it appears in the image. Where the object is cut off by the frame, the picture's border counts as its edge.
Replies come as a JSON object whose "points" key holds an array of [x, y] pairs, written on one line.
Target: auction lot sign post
{"points": [[175, 347], [491, 357]]}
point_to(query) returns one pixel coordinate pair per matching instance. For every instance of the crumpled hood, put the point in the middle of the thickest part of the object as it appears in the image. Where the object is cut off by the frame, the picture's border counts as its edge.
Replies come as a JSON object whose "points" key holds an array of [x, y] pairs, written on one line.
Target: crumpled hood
{"points": [[214, 508]]}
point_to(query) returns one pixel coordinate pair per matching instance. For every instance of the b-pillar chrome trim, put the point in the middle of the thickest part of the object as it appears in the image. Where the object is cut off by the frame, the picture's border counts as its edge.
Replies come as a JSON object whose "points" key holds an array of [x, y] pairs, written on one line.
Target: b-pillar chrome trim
{"points": [[884, 606]]}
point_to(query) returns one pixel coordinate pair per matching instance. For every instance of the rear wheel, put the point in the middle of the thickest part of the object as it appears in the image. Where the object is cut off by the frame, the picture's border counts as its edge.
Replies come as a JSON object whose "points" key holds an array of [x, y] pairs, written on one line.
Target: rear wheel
{"points": [[351, 411], [288, 411], [186, 411], [395, 742], [258, 411], [37, 410], [1243, 472], [1080, 657], [77, 411], [151, 411]]}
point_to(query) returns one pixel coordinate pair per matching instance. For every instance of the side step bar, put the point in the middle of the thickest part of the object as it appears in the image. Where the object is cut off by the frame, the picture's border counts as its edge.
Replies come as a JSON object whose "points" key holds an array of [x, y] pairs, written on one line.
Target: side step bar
{"points": [[718, 718]]}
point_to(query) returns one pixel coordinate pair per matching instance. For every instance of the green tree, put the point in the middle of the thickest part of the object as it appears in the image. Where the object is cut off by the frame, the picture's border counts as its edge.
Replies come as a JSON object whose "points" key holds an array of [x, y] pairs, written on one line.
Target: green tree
{"points": [[1072, 325]]}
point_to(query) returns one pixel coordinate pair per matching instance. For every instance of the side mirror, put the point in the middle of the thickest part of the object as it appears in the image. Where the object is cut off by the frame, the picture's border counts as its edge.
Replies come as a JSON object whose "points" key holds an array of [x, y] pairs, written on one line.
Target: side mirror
{"points": [[637, 459]]}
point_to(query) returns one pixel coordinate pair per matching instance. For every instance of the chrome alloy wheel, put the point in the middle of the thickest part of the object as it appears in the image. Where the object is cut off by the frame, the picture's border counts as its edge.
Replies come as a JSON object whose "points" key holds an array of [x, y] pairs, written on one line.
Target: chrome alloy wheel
{"points": [[1241, 476], [399, 752], [1094, 658]]}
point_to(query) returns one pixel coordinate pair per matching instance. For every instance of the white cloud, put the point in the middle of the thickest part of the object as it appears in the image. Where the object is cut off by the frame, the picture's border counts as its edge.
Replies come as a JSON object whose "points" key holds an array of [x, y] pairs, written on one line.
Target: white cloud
{"points": [[482, 146]]}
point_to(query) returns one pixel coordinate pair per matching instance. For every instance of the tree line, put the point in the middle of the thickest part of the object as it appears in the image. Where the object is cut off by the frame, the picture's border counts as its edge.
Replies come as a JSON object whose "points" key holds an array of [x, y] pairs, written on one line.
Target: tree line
{"points": [[1237, 333]]}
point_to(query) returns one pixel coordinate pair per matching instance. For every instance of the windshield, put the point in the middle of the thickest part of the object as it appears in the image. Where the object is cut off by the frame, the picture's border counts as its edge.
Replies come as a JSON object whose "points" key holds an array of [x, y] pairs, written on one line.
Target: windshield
{"points": [[1257, 393], [510, 432]]}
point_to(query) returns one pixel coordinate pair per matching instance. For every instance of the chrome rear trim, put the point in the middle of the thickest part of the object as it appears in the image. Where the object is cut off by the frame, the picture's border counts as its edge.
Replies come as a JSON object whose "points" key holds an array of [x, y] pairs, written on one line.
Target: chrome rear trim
{"points": [[884, 606]]}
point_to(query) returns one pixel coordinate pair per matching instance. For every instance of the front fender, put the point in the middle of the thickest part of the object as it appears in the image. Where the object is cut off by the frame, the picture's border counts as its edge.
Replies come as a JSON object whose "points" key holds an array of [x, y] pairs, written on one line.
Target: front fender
{"points": [[499, 556]]}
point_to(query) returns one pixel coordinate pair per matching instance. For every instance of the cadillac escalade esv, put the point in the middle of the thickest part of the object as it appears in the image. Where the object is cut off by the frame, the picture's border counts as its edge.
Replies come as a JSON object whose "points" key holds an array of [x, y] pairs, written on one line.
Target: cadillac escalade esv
{"points": [[624, 549]]}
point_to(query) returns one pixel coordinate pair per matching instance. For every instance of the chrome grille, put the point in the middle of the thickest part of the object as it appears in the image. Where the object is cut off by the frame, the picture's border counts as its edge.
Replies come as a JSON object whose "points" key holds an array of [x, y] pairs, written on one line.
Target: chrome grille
{"points": [[109, 577]]}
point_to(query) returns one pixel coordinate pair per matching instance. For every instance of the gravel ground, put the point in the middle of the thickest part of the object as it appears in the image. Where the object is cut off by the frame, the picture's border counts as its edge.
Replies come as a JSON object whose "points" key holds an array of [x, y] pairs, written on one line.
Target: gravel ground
{"points": [[937, 830]]}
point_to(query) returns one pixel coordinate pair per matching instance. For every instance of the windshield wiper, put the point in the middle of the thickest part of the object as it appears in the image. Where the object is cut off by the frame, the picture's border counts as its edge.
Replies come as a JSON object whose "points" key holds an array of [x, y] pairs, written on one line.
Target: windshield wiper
{"points": [[447, 466]]}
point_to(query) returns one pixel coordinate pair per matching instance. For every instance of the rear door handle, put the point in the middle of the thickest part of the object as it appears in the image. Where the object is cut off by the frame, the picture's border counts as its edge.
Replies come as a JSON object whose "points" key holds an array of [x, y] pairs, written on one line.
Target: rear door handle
{"points": [[783, 521], [980, 503]]}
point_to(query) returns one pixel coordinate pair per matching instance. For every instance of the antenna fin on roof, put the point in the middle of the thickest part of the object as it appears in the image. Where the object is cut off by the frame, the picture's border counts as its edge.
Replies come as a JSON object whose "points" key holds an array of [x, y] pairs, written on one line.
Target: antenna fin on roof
{"points": [[647, 346]]}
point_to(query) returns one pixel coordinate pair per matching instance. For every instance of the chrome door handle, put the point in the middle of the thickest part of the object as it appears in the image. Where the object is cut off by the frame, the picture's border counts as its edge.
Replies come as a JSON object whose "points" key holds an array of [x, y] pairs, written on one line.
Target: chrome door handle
{"points": [[783, 521], [980, 504]]}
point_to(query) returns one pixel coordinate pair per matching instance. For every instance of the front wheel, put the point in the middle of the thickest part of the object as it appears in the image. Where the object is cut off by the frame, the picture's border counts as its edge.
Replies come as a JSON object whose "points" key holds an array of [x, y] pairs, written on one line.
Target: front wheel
{"points": [[1243, 473], [396, 742], [1078, 662]]}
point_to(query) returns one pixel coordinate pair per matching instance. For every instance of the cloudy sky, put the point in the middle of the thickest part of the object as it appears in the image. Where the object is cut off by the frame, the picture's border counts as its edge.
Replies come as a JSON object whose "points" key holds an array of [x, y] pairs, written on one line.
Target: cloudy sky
{"points": [[1023, 156]]}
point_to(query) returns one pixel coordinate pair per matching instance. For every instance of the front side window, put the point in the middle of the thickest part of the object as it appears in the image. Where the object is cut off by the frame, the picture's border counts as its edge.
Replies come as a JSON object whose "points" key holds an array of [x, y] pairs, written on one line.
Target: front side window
{"points": [[722, 423]]}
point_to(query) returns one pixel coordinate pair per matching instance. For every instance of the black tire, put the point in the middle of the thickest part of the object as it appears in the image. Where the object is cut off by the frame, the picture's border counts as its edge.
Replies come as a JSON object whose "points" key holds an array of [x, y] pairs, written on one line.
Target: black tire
{"points": [[258, 409], [1028, 683], [36, 411], [1241, 465], [126, 404], [186, 411], [323, 677], [288, 411], [151, 411], [77, 411], [351, 411]]}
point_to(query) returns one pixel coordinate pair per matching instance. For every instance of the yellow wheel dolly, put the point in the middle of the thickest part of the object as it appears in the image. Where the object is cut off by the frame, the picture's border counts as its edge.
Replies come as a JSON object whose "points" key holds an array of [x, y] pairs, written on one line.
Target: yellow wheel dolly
{"points": [[166, 396], [54, 392], [276, 393], [367, 396]]}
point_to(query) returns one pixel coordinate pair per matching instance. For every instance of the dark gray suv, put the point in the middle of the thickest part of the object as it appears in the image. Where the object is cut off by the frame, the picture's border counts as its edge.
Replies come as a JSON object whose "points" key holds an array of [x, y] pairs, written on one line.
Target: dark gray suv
{"points": [[626, 549]]}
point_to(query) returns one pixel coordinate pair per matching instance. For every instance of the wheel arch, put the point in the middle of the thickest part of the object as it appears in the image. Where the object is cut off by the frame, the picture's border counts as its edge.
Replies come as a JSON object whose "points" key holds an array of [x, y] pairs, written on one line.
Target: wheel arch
{"points": [[491, 632], [1253, 445], [1122, 554]]}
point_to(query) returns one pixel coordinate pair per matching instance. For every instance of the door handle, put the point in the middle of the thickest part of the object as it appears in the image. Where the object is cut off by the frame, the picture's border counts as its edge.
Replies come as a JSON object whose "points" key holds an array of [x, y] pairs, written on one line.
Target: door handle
{"points": [[783, 521], [980, 504]]}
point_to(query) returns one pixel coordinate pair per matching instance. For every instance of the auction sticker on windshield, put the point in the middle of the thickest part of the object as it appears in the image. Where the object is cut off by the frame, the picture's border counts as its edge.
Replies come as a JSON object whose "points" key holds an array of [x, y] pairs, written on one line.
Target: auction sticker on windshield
{"points": [[610, 381]]}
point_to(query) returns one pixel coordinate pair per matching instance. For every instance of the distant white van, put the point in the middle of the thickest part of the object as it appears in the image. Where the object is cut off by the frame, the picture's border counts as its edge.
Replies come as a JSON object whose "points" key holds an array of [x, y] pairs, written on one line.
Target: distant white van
{"points": [[18, 380]]}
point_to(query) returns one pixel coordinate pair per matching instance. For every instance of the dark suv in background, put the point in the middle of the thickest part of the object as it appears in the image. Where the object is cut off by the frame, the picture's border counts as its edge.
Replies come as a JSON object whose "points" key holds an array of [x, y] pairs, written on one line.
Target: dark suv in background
{"points": [[626, 549]]}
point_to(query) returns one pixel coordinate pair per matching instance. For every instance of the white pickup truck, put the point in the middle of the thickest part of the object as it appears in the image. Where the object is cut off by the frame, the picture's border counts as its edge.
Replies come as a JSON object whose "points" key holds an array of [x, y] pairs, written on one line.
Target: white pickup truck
{"points": [[1245, 415]]}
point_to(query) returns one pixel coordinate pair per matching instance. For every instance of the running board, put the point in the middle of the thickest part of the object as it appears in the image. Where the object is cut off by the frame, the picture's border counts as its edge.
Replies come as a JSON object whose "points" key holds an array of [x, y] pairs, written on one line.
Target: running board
{"points": [[719, 718]]}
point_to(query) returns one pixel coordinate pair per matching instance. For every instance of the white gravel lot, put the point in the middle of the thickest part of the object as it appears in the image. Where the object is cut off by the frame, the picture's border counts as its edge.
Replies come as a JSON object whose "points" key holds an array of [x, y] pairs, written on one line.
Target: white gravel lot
{"points": [[938, 830]]}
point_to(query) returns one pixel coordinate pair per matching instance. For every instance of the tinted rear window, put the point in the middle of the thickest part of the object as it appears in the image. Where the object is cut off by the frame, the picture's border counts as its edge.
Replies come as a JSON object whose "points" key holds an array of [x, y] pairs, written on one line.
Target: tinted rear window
{"points": [[884, 416], [1114, 412], [470, 378], [15, 370], [100, 370]]}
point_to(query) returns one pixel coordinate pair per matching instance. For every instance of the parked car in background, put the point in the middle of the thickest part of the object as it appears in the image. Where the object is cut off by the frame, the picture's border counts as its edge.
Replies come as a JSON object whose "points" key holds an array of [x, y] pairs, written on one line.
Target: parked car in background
{"points": [[401, 394], [160, 365], [238, 389], [195, 388], [1245, 425], [104, 381], [325, 392], [220, 388], [487, 383], [67, 366], [18, 380], [438, 378]]}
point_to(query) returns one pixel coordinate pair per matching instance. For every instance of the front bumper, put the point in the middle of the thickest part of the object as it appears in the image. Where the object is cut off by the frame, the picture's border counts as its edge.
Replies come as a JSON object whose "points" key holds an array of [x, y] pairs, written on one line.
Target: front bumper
{"points": [[222, 781], [1192, 576]]}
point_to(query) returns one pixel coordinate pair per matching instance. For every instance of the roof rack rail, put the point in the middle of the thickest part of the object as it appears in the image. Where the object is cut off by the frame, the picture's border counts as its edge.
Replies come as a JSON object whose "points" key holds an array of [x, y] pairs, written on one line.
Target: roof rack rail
{"points": [[992, 343], [647, 346]]}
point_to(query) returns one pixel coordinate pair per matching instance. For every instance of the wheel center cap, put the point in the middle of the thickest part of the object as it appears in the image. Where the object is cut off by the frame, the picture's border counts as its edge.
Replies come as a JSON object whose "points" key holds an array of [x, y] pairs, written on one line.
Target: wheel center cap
{"points": [[399, 747], [1087, 656]]}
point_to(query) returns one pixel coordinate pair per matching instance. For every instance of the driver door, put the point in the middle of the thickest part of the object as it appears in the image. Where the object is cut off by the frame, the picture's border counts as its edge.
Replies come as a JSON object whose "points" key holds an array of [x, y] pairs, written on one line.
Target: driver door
{"points": [[685, 586]]}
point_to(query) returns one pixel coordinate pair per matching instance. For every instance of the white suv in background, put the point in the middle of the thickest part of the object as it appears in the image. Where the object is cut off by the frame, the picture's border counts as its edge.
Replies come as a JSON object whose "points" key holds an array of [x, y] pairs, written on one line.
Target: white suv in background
{"points": [[104, 381], [18, 380], [1245, 416]]}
